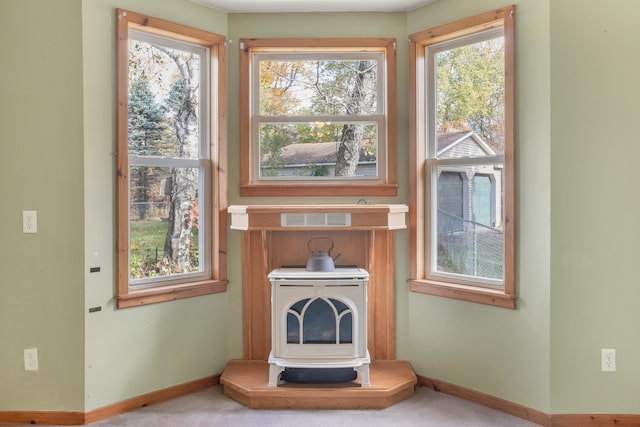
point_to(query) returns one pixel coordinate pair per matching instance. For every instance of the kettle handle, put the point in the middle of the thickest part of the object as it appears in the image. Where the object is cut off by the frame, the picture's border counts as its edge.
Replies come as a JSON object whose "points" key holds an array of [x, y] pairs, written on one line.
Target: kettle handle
{"points": [[320, 238]]}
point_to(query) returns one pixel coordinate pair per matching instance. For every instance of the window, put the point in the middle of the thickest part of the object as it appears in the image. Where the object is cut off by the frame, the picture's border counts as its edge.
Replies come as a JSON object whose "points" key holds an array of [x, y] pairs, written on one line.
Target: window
{"points": [[170, 189], [462, 179], [318, 117]]}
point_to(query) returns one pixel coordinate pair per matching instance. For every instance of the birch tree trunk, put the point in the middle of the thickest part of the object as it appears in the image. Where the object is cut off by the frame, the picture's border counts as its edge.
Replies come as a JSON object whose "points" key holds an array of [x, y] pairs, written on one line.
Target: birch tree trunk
{"points": [[351, 138], [184, 181]]}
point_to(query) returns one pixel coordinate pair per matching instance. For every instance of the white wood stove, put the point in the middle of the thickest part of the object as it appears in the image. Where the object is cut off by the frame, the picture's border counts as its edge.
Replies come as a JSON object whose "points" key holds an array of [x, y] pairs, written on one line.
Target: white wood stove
{"points": [[319, 320]]}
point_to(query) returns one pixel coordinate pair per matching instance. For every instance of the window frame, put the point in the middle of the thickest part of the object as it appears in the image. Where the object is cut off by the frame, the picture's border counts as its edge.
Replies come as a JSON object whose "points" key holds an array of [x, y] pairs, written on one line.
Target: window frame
{"points": [[422, 280], [212, 204], [250, 182]]}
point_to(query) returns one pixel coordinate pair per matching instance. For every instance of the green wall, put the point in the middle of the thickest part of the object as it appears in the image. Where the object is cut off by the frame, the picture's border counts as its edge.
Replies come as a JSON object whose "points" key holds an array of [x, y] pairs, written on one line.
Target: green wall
{"points": [[58, 143], [137, 350], [577, 90], [41, 147], [504, 353], [594, 249]]}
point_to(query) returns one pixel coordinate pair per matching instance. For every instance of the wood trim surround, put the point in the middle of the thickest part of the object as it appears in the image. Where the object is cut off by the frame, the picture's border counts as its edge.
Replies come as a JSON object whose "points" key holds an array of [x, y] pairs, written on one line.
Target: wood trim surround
{"points": [[250, 186], [483, 399], [56, 418], [320, 189], [529, 414], [82, 418], [367, 243], [217, 200], [595, 420], [464, 293], [170, 293], [421, 281]]}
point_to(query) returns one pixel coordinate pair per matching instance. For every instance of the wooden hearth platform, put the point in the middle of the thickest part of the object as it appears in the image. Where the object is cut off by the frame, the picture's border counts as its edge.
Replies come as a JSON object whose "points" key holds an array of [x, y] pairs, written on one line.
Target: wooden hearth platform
{"points": [[246, 381]]}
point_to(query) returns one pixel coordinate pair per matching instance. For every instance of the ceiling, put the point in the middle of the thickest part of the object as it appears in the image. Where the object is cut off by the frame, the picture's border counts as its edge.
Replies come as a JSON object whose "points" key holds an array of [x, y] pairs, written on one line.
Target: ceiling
{"points": [[269, 6]]}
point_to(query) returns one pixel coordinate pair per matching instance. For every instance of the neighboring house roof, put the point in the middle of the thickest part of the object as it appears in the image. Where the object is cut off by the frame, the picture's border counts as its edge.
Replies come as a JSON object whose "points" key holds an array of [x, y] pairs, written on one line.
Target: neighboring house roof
{"points": [[450, 144], [450, 140], [316, 153]]}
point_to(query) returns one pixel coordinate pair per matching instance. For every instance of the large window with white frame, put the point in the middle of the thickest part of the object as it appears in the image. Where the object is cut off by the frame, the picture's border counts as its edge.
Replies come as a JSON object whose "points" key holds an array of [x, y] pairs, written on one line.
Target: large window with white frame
{"points": [[463, 130], [316, 117], [169, 140]]}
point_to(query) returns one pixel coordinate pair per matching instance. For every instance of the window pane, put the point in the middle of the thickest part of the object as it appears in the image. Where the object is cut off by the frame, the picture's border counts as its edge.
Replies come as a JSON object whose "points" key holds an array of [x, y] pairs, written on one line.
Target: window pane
{"points": [[469, 233], [318, 87], [163, 241], [317, 150], [469, 97], [164, 101], [483, 200]]}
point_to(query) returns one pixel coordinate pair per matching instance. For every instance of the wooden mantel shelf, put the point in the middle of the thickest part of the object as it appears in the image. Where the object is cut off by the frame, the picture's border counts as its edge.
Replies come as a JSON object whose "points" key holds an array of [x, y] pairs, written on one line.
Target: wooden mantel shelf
{"points": [[360, 217]]}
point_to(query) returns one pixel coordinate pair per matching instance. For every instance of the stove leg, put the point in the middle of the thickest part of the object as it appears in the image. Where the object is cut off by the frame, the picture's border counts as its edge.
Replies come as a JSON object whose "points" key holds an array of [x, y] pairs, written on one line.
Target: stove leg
{"points": [[363, 370], [274, 374]]}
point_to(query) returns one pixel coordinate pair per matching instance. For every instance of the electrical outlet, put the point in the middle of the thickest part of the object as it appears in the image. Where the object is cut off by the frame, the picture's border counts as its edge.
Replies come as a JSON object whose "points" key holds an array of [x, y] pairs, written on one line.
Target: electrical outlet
{"points": [[608, 360], [30, 359], [29, 221]]}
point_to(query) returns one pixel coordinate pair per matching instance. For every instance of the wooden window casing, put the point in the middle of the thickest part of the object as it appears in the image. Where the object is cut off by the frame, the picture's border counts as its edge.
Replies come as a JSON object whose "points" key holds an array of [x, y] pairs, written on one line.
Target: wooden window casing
{"points": [[421, 280], [251, 185], [215, 279]]}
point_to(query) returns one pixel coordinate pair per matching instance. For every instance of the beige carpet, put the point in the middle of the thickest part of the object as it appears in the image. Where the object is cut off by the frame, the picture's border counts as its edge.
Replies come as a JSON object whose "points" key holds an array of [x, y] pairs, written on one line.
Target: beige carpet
{"points": [[211, 408]]}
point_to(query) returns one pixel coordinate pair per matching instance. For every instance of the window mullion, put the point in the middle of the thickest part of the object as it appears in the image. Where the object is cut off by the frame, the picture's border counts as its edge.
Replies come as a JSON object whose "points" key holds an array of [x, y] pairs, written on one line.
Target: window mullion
{"points": [[498, 159], [319, 119], [178, 162]]}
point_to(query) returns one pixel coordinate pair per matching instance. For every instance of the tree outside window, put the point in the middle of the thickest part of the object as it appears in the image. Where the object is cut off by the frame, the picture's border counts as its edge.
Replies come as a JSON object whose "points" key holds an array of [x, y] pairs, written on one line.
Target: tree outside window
{"points": [[317, 117], [463, 138], [169, 193]]}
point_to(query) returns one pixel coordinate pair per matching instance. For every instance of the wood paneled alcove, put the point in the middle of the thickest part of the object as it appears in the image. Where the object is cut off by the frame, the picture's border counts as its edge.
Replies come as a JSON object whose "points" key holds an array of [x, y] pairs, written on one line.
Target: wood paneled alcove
{"points": [[365, 240]]}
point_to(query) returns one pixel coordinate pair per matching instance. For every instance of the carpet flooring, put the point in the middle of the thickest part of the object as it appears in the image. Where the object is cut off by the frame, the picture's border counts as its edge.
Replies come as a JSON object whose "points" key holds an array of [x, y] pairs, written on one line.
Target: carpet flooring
{"points": [[210, 408]]}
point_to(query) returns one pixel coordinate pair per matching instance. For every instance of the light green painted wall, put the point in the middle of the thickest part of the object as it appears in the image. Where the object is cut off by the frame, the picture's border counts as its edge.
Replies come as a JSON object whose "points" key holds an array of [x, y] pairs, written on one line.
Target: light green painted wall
{"points": [[41, 281], [576, 287], [504, 353], [134, 351], [595, 234]]}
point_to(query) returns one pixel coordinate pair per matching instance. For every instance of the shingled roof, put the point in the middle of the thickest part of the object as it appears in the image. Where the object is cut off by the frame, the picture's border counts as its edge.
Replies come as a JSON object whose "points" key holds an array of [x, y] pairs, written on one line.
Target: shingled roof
{"points": [[316, 153]]}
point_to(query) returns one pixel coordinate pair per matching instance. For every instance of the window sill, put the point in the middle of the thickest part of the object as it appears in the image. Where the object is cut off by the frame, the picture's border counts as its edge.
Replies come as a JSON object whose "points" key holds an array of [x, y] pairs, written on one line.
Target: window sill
{"points": [[170, 293], [321, 189], [492, 297]]}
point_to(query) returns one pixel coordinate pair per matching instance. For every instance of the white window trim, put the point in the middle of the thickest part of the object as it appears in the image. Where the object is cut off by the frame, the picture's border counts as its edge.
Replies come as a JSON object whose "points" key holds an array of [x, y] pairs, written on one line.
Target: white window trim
{"points": [[202, 164], [379, 119]]}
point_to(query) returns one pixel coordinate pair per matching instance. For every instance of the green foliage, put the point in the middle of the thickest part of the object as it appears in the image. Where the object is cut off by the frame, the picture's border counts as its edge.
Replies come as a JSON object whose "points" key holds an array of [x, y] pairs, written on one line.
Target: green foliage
{"points": [[147, 129], [317, 132], [146, 250], [272, 139], [445, 263], [147, 126], [318, 170], [470, 90]]}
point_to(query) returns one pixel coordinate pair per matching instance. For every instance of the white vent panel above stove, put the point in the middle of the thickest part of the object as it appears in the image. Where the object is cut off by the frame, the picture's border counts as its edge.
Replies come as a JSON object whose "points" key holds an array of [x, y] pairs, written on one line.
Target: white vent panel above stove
{"points": [[314, 219]]}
